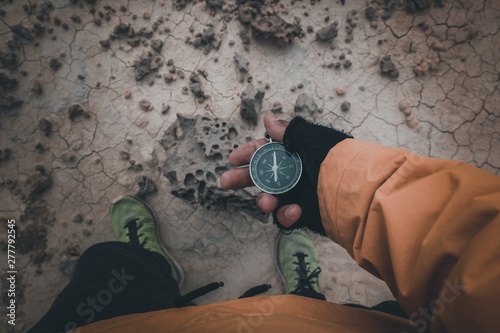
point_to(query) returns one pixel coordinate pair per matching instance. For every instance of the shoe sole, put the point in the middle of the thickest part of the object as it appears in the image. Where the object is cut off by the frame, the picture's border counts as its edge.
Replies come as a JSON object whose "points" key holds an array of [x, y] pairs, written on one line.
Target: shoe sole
{"points": [[276, 260], [177, 267]]}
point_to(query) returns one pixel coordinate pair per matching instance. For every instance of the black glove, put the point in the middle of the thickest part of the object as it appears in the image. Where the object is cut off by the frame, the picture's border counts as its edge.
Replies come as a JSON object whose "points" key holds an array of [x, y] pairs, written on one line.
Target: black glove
{"points": [[312, 143]]}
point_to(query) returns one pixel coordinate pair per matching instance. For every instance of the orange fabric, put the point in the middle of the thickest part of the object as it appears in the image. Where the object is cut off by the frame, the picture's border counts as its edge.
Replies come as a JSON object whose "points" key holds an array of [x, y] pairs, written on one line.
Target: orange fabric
{"points": [[286, 313], [428, 227]]}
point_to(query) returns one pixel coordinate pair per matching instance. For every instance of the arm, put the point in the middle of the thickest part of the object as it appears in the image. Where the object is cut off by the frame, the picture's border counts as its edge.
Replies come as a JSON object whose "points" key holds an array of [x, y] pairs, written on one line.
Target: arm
{"points": [[429, 228]]}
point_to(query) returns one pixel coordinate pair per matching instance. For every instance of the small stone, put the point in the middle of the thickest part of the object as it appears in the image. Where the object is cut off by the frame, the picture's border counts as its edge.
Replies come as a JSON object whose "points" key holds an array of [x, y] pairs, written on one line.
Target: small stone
{"points": [[127, 95], [75, 18], [87, 233], [310, 29], [327, 33], [37, 86], [55, 64], [341, 90], [201, 70], [74, 111], [146, 16], [342, 56], [267, 85], [370, 13], [347, 63], [231, 42], [145, 105], [185, 90], [241, 62], [180, 73], [345, 106], [124, 155], [413, 122], [169, 78], [165, 108], [277, 107], [300, 85], [387, 68], [78, 218], [403, 105], [156, 44], [65, 26], [45, 126], [293, 88]]}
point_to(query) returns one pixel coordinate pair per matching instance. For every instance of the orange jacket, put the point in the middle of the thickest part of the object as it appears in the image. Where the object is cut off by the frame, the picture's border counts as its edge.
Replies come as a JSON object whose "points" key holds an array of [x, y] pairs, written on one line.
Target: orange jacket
{"points": [[429, 228]]}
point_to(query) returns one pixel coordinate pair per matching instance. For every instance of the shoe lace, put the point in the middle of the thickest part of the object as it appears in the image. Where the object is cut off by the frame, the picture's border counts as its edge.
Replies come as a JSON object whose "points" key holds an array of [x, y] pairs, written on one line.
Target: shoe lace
{"points": [[132, 232], [305, 279]]}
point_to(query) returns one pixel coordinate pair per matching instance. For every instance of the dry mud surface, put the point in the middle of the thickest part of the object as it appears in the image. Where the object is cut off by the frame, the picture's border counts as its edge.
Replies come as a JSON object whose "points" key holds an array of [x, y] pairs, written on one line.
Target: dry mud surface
{"points": [[103, 98]]}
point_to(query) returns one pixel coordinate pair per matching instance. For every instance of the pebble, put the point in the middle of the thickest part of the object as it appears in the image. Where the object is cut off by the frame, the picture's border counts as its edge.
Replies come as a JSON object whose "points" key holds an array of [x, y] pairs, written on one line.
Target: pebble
{"points": [[403, 105], [127, 94], [341, 90], [346, 106]]}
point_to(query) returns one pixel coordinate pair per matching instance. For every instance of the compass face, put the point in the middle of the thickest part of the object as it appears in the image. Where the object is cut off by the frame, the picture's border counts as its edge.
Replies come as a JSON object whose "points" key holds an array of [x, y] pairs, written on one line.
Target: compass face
{"points": [[274, 170]]}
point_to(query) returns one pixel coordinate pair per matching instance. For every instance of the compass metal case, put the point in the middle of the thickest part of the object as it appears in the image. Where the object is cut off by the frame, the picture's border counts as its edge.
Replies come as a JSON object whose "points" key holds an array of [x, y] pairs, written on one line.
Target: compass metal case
{"points": [[274, 170]]}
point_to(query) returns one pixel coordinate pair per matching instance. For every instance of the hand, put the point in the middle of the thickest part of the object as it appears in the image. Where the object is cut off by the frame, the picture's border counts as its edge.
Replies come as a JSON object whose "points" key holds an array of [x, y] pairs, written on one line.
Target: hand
{"points": [[238, 178]]}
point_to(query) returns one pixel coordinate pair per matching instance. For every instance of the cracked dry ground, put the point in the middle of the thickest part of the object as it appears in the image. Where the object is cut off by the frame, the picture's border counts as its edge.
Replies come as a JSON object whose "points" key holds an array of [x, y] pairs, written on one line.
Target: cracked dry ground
{"points": [[83, 119]]}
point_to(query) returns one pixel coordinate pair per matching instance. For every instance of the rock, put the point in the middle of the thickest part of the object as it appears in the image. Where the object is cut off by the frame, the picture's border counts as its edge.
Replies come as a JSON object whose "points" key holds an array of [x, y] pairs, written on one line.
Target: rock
{"points": [[55, 64], [105, 43], [36, 86], [165, 108], [345, 106], [387, 68], [403, 105], [75, 18], [146, 186], [156, 44], [341, 90], [277, 108], [8, 60], [347, 63], [268, 26], [22, 32], [195, 87], [145, 105], [305, 104], [127, 95], [328, 33], [241, 62], [74, 111], [143, 67], [169, 77], [215, 5], [78, 218], [7, 83], [124, 155], [251, 103], [45, 126], [196, 159], [413, 122], [370, 13]]}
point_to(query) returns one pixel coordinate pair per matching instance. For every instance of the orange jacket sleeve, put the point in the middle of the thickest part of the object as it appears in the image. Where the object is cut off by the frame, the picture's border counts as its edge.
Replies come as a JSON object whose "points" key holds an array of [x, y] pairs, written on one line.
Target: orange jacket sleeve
{"points": [[429, 228]]}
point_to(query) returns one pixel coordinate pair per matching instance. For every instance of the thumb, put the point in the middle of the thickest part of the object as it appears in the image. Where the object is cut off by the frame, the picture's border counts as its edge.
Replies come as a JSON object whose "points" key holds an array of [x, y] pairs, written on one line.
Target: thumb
{"points": [[275, 127]]}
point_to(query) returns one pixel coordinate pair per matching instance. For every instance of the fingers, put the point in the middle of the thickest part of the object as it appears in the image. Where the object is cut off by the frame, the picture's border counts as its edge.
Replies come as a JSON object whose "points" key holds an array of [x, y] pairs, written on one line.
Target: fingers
{"points": [[289, 214], [275, 127], [267, 202], [235, 179], [243, 154]]}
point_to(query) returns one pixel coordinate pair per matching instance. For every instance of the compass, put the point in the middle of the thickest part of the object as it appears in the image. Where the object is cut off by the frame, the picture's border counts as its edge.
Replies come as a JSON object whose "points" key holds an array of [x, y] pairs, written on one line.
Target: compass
{"points": [[273, 169]]}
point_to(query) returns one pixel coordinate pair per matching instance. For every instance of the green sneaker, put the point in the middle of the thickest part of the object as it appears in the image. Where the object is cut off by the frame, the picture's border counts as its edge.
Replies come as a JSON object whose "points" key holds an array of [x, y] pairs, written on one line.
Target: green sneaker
{"points": [[297, 262], [135, 222]]}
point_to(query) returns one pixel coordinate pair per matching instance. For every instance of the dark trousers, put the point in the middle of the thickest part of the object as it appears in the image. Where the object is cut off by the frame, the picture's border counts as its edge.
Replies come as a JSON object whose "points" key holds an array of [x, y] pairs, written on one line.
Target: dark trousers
{"points": [[115, 279]]}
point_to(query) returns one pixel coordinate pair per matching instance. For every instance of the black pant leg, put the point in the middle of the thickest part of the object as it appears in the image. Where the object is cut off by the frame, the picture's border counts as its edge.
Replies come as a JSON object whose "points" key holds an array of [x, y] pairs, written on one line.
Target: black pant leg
{"points": [[111, 279], [389, 307]]}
